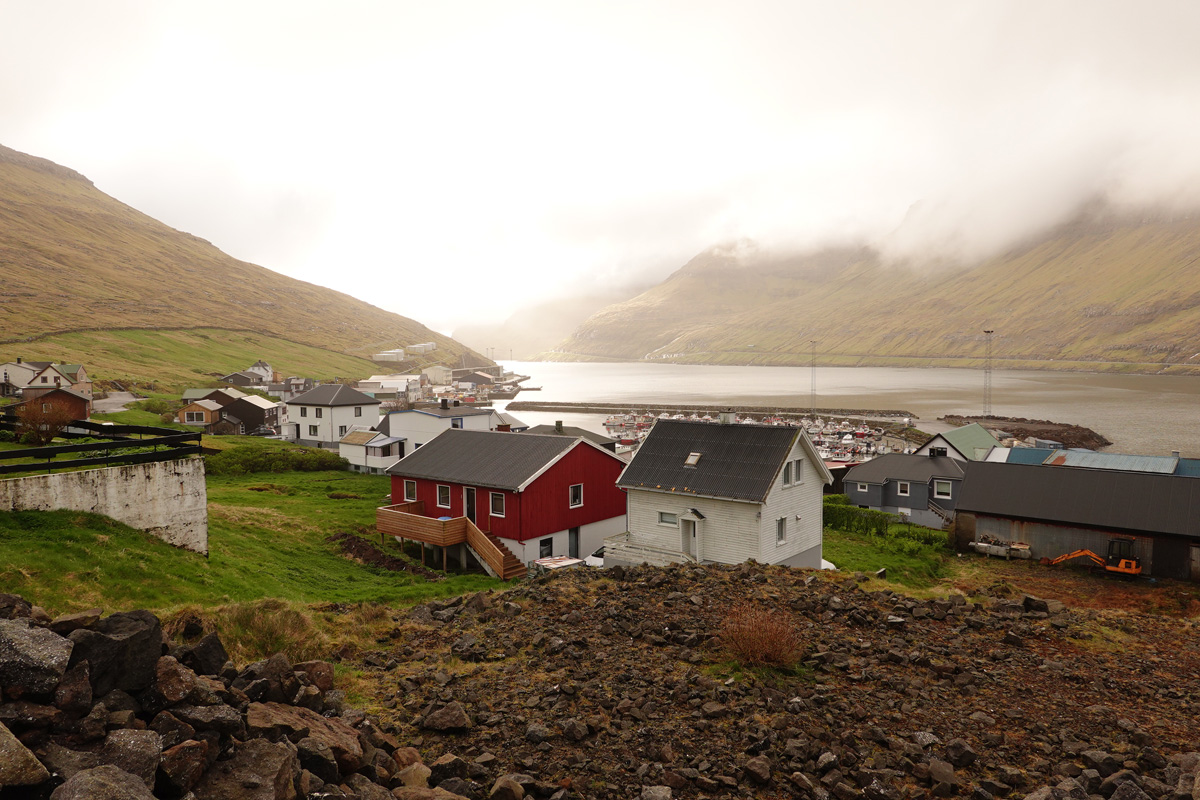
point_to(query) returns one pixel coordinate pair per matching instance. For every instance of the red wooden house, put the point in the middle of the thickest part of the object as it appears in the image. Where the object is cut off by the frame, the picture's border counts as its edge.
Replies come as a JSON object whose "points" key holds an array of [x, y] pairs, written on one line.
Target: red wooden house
{"points": [[536, 496]]}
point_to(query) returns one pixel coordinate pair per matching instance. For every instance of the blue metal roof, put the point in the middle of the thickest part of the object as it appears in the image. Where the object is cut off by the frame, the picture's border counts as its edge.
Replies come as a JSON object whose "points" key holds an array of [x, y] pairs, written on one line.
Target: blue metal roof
{"points": [[1028, 455], [1164, 465]]}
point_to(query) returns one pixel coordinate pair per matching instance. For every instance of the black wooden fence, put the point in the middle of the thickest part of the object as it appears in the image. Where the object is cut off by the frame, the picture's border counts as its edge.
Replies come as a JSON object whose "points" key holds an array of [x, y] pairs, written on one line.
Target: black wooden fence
{"points": [[121, 444]]}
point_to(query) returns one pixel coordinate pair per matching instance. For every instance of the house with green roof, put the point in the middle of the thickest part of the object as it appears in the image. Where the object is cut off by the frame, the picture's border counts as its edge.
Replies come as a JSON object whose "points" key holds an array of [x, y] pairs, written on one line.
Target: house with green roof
{"points": [[969, 443]]}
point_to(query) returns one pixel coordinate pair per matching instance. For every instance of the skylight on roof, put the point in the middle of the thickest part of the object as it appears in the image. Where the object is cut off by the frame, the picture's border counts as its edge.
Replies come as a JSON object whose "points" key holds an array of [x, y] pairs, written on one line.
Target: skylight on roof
{"points": [[692, 460]]}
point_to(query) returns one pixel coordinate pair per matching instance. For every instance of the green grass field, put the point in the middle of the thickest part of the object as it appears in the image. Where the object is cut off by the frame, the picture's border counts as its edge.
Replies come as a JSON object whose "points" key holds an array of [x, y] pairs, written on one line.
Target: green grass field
{"points": [[912, 565], [267, 539]]}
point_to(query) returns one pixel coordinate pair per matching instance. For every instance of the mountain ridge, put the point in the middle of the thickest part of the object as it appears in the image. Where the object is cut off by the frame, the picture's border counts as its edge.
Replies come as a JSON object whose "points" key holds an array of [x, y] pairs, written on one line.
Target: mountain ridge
{"points": [[73, 254], [1102, 291]]}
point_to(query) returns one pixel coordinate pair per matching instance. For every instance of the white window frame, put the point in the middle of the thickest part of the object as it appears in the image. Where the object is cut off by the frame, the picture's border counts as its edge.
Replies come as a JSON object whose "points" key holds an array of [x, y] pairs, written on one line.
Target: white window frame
{"points": [[571, 495], [692, 460], [798, 472], [903, 488], [314, 430], [492, 504], [341, 431], [544, 545], [781, 531], [358, 411], [410, 496], [440, 504], [937, 493], [862, 487], [668, 518], [456, 423], [787, 473], [193, 416], [318, 412], [304, 411]]}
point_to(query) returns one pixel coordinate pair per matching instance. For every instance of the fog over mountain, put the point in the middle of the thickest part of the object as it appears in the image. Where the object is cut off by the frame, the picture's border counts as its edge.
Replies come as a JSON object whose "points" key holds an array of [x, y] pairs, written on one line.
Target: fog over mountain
{"points": [[542, 150]]}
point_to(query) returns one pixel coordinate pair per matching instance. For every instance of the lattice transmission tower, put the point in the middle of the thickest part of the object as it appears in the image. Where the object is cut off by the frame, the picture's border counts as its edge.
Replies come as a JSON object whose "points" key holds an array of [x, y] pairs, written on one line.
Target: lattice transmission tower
{"points": [[987, 376]]}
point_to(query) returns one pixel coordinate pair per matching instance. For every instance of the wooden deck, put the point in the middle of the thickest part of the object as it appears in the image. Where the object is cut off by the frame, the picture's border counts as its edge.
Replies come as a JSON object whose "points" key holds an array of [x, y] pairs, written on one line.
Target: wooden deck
{"points": [[407, 521]]}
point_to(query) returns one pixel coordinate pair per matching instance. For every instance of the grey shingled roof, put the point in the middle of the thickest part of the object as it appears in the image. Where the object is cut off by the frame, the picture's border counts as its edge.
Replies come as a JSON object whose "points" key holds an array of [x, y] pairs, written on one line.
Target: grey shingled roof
{"points": [[901, 467], [739, 462], [574, 433], [1091, 498], [493, 459], [333, 394]]}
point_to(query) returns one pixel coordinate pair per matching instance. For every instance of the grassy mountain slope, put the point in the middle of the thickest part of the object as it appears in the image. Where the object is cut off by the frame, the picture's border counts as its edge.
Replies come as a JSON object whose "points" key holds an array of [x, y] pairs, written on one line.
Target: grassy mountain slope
{"points": [[74, 258], [1101, 292]]}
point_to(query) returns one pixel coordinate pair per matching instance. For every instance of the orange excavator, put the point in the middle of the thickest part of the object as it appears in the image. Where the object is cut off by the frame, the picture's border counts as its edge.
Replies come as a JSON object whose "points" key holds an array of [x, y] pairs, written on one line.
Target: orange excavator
{"points": [[1121, 558]]}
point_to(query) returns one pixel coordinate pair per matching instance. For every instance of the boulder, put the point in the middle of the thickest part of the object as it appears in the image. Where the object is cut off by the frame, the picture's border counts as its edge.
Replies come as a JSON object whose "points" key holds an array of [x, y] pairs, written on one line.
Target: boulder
{"points": [[319, 672], [64, 762], [506, 788], [121, 651], [222, 719], [13, 606], [317, 757], [183, 764], [72, 622], [32, 660], [173, 682], [103, 783], [205, 657], [18, 766], [136, 752], [276, 721], [74, 692], [448, 766], [450, 718], [259, 770], [758, 770], [959, 753], [414, 793]]}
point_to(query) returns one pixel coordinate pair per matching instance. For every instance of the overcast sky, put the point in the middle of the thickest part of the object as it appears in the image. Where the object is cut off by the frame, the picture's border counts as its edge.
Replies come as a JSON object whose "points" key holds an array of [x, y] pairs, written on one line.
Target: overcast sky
{"points": [[452, 161]]}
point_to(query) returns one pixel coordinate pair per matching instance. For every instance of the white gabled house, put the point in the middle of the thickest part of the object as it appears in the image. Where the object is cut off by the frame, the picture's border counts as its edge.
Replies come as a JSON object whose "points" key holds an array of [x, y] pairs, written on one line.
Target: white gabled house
{"points": [[370, 451], [724, 493], [323, 416], [421, 425]]}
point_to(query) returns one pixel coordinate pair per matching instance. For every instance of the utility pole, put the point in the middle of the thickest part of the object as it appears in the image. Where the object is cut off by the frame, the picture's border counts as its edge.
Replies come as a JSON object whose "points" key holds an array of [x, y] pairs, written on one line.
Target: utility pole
{"points": [[813, 387], [987, 375]]}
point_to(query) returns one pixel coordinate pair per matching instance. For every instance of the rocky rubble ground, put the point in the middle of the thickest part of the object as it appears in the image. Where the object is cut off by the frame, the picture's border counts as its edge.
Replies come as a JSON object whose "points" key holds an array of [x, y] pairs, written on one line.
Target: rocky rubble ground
{"points": [[105, 708], [611, 684]]}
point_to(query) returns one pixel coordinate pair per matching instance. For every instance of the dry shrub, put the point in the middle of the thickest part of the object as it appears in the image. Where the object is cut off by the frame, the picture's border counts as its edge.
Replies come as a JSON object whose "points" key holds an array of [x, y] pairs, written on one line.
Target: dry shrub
{"points": [[760, 638], [252, 631]]}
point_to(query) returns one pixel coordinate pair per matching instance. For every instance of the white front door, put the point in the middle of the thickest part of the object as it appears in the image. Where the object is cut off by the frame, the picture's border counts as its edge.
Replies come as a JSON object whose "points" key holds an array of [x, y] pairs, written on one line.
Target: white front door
{"points": [[687, 529]]}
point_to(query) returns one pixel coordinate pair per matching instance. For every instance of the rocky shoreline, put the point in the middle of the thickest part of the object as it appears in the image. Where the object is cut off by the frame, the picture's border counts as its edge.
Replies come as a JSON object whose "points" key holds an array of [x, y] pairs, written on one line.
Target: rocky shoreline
{"points": [[1069, 435]]}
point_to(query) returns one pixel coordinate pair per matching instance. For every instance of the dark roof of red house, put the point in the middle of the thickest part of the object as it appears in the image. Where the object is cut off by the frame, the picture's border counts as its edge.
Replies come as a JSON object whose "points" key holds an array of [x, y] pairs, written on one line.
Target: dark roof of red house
{"points": [[494, 459]]}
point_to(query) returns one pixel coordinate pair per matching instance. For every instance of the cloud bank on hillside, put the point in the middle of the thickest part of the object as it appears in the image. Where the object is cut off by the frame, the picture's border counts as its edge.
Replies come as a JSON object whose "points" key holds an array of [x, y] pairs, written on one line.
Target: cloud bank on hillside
{"points": [[453, 161]]}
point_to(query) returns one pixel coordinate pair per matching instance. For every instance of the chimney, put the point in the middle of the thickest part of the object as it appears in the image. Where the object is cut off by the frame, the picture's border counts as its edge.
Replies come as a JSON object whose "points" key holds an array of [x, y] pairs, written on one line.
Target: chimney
{"points": [[445, 403], [727, 416], [558, 428], [456, 404], [18, 359], [1174, 454]]}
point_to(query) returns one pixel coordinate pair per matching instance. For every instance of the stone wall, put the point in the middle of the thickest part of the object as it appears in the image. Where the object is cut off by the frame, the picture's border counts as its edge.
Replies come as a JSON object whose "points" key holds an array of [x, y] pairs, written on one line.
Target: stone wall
{"points": [[166, 498]]}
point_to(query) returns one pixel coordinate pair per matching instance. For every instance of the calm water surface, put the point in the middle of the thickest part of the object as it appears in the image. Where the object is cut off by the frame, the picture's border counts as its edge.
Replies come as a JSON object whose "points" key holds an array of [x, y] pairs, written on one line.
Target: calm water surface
{"points": [[1144, 414]]}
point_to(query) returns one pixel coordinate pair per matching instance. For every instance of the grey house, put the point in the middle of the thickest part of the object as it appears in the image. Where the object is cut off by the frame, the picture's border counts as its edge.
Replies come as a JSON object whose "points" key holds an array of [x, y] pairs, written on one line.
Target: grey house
{"points": [[923, 488]]}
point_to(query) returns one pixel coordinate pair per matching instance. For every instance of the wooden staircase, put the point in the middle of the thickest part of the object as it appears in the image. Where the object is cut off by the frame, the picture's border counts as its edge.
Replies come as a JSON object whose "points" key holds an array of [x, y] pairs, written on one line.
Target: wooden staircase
{"points": [[947, 517], [497, 559]]}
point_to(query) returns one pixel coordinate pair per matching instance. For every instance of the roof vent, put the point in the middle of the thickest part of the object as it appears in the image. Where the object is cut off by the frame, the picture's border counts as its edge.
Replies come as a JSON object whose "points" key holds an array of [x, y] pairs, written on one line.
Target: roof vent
{"points": [[558, 426], [727, 417], [445, 403]]}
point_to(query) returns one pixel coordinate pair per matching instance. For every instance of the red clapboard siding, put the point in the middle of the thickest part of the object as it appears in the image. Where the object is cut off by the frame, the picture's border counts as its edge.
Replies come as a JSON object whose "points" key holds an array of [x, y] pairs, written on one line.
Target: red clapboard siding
{"points": [[543, 507]]}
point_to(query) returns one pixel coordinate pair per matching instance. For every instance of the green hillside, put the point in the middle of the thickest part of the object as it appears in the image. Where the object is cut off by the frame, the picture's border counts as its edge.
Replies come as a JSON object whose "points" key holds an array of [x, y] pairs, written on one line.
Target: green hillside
{"points": [[74, 259], [1103, 293]]}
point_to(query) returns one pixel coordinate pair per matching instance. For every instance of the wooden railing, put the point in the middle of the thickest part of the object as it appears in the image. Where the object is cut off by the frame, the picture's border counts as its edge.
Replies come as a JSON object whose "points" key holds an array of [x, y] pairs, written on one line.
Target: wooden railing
{"points": [[400, 521]]}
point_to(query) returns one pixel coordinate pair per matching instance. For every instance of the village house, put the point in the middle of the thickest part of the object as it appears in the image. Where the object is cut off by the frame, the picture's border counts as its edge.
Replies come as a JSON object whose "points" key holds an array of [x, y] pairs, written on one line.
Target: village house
{"points": [[322, 416], [78, 406], [558, 429], [221, 397], [201, 413], [253, 414], [969, 443], [420, 425], [370, 451], [1146, 509], [725, 493], [16, 375], [509, 499], [924, 489]]}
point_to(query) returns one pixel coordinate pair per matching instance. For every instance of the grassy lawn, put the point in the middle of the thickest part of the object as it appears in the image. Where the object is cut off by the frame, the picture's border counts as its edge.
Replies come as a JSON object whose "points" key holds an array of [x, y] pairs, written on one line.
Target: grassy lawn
{"points": [[909, 564], [267, 539]]}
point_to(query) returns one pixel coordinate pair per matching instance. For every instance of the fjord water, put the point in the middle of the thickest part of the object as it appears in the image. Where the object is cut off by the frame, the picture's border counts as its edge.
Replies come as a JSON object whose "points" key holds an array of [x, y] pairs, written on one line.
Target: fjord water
{"points": [[1143, 414]]}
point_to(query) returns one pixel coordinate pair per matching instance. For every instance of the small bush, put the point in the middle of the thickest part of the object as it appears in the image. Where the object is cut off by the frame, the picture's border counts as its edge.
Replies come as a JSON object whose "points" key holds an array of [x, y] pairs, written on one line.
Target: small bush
{"points": [[756, 637], [7, 436], [256, 630]]}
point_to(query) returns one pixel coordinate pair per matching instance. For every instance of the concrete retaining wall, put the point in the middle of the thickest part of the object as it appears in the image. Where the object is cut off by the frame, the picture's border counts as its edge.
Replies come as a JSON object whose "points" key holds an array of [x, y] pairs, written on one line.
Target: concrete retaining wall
{"points": [[166, 498]]}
